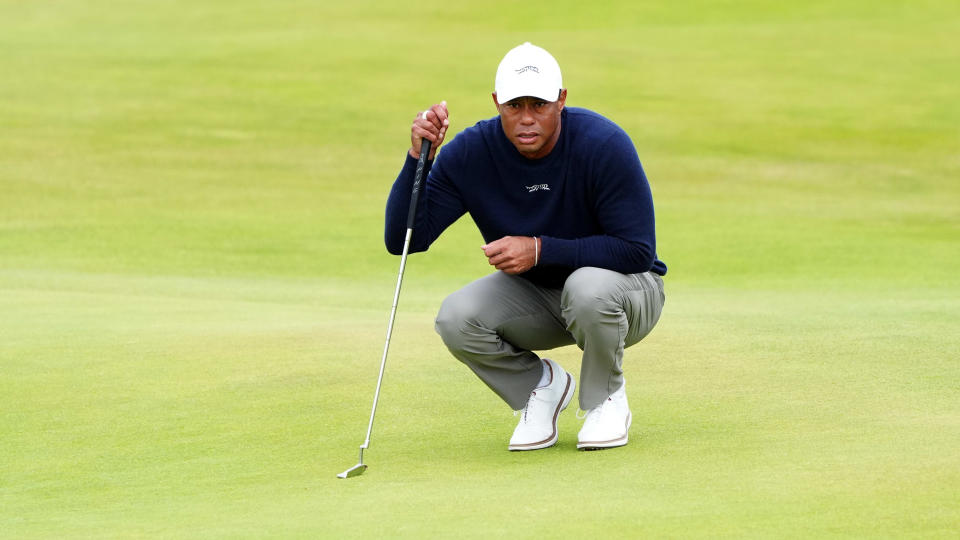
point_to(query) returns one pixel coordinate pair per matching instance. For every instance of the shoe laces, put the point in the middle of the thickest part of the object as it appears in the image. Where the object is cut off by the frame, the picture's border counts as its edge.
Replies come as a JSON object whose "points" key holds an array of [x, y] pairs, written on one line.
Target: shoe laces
{"points": [[598, 410], [527, 406]]}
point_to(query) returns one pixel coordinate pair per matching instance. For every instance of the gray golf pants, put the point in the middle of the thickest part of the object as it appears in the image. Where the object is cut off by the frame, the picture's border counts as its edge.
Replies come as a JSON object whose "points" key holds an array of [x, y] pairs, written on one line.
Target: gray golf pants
{"points": [[493, 324]]}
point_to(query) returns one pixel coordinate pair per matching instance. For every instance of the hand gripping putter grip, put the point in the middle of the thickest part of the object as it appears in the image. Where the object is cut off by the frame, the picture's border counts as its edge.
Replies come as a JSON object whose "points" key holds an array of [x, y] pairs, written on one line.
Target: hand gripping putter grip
{"points": [[358, 469]]}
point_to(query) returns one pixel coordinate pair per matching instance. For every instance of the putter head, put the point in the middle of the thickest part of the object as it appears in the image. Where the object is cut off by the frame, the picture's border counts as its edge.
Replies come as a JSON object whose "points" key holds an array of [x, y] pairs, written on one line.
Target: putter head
{"points": [[356, 470]]}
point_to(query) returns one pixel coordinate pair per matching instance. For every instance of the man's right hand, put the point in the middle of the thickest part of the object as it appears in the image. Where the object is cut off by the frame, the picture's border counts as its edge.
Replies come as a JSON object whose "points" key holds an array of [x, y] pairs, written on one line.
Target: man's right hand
{"points": [[430, 124]]}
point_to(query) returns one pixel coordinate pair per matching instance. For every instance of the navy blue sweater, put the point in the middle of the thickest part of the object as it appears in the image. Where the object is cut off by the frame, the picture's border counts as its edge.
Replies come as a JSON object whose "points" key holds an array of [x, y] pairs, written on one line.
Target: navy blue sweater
{"points": [[588, 200]]}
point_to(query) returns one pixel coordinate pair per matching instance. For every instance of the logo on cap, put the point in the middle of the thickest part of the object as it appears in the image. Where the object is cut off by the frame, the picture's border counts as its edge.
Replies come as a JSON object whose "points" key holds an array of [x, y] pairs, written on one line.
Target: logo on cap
{"points": [[525, 69]]}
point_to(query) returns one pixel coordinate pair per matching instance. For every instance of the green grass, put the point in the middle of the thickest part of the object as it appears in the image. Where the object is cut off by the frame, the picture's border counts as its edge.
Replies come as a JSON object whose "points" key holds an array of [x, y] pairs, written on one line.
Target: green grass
{"points": [[194, 291]]}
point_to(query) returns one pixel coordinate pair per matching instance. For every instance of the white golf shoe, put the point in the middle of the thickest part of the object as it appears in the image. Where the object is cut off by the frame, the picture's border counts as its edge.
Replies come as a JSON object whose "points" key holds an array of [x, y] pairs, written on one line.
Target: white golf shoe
{"points": [[607, 424], [538, 420]]}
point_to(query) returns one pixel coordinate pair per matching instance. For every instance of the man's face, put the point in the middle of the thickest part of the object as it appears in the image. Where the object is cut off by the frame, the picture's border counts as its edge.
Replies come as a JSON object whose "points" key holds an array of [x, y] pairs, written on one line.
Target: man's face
{"points": [[532, 124]]}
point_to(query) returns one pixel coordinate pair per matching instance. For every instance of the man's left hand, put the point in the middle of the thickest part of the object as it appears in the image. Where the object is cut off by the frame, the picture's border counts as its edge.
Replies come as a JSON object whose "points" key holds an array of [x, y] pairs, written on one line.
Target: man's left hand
{"points": [[513, 254]]}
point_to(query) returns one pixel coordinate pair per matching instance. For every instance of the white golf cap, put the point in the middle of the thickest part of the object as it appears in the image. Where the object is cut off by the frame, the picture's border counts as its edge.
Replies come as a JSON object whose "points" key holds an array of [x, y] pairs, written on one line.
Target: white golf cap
{"points": [[528, 70]]}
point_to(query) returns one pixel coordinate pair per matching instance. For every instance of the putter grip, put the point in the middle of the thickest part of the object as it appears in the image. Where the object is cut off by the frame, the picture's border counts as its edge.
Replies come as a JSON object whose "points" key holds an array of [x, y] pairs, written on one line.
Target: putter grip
{"points": [[417, 180]]}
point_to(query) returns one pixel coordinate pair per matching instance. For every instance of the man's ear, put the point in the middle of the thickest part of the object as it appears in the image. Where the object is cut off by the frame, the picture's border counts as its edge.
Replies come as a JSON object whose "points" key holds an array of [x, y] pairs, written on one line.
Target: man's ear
{"points": [[495, 102], [562, 100]]}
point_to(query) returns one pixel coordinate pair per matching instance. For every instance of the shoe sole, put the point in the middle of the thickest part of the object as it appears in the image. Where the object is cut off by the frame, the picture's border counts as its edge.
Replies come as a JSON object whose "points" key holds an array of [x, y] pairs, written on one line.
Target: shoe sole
{"points": [[612, 443], [552, 440]]}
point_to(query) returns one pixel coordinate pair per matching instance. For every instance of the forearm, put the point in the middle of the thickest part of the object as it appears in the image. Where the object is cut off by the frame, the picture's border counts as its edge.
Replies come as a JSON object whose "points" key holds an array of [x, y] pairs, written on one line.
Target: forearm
{"points": [[438, 206], [398, 205], [601, 251]]}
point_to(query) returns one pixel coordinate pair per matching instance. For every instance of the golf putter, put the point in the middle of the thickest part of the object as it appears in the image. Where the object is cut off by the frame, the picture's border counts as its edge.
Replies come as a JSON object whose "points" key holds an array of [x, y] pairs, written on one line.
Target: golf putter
{"points": [[360, 467]]}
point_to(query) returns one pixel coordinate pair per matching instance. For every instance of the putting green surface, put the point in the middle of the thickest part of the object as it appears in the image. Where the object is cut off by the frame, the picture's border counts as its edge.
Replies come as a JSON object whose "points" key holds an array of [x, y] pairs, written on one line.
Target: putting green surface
{"points": [[194, 291]]}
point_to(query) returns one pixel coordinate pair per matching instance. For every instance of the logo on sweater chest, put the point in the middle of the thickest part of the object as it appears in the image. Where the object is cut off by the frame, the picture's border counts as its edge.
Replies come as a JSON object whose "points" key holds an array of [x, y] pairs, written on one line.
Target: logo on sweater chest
{"points": [[538, 187]]}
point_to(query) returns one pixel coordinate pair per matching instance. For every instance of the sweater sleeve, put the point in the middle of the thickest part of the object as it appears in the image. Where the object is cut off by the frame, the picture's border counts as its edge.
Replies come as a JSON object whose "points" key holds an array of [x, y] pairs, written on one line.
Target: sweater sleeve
{"points": [[438, 206], [623, 206]]}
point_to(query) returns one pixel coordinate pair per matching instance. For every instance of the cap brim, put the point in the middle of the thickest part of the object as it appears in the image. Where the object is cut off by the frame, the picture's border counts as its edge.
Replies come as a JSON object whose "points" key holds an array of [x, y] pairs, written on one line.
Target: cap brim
{"points": [[546, 94]]}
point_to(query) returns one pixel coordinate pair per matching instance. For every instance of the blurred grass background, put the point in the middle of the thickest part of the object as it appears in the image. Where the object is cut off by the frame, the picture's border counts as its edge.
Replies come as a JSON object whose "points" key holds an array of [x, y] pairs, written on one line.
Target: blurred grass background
{"points": [[194, 290]]}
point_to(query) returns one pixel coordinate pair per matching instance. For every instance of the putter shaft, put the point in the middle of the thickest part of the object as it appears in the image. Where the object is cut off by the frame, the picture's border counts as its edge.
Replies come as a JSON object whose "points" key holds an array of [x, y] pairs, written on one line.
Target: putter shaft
{"points": [[358, 469], [386, 346]]}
